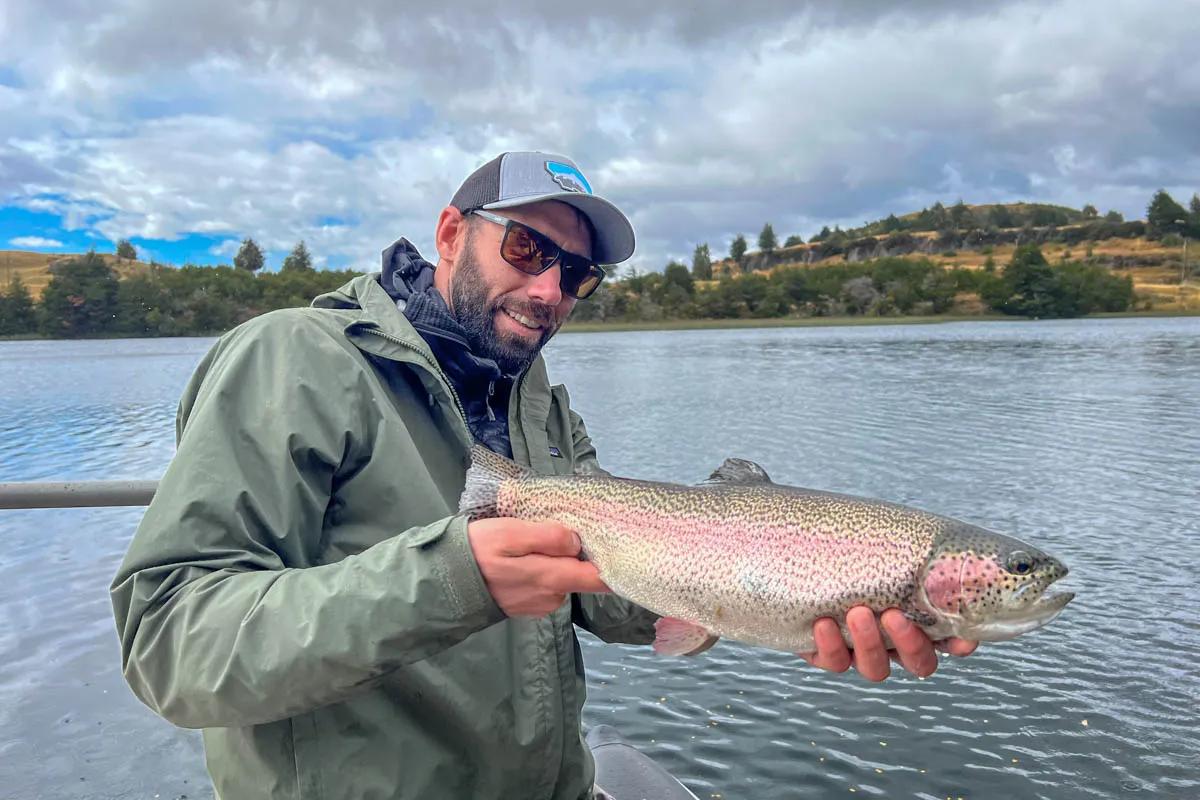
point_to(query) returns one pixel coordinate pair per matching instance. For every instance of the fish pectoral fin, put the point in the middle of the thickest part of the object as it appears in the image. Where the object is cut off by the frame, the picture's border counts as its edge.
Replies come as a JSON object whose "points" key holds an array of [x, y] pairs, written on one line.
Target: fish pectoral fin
{"points": [[739, 470], [920, 616], [677, 637]]}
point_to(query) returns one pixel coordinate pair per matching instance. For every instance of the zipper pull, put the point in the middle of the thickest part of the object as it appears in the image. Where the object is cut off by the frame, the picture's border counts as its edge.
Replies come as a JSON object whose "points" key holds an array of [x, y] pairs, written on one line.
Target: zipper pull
{"points": [[488, 402]]}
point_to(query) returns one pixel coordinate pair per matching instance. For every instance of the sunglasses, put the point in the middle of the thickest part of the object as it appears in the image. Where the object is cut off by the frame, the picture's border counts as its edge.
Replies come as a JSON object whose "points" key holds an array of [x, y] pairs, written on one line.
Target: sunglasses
{"points": [[533, 253]]}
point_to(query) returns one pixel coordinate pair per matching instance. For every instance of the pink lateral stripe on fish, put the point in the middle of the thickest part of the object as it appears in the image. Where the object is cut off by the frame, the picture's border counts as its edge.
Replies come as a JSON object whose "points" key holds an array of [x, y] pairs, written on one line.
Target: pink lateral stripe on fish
{"points": [[742, 557]]}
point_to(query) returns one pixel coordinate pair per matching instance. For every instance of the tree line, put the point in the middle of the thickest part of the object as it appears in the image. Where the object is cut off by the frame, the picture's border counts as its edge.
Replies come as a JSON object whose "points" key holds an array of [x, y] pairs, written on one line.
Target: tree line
{"points": [[1027, 286], [85, 297]]}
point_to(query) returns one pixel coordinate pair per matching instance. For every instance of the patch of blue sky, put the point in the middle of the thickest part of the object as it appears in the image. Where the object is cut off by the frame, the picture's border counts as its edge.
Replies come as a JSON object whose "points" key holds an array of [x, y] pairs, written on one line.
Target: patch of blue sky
{"points": [[23, 224], [192, 248], [23, 229], [10, 77], [642, 82]]}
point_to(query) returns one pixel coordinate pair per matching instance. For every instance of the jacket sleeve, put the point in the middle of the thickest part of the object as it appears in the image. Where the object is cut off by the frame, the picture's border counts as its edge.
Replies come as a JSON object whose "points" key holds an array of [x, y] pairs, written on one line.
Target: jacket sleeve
{"points": [[611, 618], [224, 619]]}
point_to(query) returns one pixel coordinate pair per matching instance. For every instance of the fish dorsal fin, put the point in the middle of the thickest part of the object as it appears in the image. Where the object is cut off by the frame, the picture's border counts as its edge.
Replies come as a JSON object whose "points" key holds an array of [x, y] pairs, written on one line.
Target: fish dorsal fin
{"points": [[739, 470]]}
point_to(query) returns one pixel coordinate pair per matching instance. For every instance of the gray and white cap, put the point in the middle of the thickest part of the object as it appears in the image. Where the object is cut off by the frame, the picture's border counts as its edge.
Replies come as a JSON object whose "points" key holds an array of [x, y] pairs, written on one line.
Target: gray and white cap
{"points": [[516, 179]]}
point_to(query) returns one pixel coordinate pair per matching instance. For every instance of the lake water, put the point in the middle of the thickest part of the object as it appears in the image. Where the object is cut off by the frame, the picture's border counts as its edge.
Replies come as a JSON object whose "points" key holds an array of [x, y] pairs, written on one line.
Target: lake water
{"points": [[1082, 436]]}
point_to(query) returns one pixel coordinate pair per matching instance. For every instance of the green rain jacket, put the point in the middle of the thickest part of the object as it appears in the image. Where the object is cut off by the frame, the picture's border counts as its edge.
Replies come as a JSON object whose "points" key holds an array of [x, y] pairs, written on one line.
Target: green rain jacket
{"points": [[302, 586]]}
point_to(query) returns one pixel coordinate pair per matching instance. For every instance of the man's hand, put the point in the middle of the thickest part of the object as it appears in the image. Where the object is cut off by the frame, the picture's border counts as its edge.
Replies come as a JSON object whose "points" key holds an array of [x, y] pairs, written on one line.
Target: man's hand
{"points": [[530, 567], [913, 650]]}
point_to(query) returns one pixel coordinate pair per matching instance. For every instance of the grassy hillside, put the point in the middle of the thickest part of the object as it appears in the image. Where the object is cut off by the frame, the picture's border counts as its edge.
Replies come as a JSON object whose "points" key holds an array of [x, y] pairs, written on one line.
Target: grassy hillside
{"points": [[1154, 265], [34, 269]]}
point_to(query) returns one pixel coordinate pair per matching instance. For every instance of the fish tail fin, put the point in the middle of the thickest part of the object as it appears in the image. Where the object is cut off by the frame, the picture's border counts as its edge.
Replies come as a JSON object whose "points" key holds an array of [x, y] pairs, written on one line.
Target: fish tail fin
{"points": [[487, 473]]}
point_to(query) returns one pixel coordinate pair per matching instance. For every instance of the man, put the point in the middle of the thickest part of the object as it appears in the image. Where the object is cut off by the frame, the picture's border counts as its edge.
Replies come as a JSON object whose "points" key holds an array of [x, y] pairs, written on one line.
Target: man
{"points": [[302, 587]]}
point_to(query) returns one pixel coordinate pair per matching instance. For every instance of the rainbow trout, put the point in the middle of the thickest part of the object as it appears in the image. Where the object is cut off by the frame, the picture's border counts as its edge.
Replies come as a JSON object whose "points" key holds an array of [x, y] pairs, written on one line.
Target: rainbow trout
{"points": [[743, 557]]}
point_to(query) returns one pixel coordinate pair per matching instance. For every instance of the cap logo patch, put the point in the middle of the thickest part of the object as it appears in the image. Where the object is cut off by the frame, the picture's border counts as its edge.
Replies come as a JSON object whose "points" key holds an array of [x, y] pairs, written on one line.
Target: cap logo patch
{"points": [[568, 177]]}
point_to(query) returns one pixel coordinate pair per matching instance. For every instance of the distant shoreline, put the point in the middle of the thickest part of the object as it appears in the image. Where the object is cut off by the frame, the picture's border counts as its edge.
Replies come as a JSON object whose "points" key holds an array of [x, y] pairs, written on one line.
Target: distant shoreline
{"points": [[722, 324], [820, 322]]}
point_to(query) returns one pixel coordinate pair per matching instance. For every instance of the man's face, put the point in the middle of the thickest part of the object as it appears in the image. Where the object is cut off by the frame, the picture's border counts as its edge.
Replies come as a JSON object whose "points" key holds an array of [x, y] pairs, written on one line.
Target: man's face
{"points": [[508, 315]]}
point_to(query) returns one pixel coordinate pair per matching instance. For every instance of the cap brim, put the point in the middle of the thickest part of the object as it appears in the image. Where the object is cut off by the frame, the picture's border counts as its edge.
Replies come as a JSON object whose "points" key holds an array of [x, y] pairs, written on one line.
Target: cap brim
{"points": [[615, 240]]}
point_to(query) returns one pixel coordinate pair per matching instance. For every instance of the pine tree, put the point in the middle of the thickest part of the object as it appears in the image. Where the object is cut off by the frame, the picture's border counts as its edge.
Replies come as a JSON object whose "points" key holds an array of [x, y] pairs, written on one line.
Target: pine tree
{"points": [[249, 256], [677, 274], [299, 260], [81, 298], [126, 250], [1164, 215], [766, 239], [737, 250], [1090, 212], [702, 263], [960, 215], [17, 313], [939, 215]]}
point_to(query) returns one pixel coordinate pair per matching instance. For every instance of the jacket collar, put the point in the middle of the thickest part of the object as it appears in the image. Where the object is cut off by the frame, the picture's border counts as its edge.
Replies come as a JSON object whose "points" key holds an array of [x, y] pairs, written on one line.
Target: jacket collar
{"points": [[400, 341]]}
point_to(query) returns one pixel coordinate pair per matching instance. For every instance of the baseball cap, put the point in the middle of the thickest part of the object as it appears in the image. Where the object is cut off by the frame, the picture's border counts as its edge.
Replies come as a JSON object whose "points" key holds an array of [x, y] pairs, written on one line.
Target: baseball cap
{"points": [[520, 178]]}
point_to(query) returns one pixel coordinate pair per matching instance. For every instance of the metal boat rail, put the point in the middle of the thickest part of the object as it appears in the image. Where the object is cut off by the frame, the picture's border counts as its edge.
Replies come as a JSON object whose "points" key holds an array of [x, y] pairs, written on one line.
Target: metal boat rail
{"points": [[76, 494]]}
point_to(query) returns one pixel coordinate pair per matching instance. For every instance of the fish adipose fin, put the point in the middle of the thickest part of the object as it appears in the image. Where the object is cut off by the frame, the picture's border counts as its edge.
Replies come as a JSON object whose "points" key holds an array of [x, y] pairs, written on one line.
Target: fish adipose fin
{"points": [[739, 470], [487, 472], [676, 637]]}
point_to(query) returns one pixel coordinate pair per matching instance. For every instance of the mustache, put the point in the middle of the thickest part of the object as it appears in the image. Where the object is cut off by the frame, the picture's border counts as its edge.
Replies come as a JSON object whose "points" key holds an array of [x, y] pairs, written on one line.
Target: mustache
{"points": [[540, 313]]}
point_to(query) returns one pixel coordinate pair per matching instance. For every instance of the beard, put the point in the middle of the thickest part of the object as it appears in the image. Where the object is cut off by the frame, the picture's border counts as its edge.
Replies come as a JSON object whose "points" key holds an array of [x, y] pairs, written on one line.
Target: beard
{"points": [[476, 314]]}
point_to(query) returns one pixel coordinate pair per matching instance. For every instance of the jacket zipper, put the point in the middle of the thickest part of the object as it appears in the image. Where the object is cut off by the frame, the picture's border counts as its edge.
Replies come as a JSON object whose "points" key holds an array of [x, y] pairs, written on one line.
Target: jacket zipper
{"points": [[437, 368]]}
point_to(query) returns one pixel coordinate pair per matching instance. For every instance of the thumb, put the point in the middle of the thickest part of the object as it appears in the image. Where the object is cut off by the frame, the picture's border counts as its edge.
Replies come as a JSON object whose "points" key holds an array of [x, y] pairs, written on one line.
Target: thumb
{"points": [[543, 538], [571, 577]]}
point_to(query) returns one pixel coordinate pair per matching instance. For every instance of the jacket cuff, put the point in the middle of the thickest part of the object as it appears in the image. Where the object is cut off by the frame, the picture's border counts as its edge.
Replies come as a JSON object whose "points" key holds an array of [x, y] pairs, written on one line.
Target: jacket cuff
{"points": [[454, 564]]}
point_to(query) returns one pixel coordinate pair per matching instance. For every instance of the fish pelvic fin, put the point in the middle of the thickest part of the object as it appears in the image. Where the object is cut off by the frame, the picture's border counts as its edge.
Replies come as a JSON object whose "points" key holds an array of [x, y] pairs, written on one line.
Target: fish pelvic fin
{"points": [[488, 471], [677, 637]]}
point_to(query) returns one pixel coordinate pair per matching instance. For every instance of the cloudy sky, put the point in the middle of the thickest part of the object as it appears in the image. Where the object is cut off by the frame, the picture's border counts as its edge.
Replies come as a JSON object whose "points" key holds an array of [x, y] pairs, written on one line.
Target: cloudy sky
{"points": [[186, 126]]}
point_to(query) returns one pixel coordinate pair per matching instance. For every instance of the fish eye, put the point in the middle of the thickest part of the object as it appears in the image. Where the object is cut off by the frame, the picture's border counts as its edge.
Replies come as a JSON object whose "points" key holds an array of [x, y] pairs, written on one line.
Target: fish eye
{"points": [[1019, 563]]}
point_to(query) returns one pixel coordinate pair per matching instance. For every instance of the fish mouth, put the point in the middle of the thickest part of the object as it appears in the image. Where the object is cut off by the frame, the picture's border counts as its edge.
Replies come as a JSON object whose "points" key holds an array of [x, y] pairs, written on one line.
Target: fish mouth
{"points": [[1053, 603], [1041, 600], [1040, 612]]}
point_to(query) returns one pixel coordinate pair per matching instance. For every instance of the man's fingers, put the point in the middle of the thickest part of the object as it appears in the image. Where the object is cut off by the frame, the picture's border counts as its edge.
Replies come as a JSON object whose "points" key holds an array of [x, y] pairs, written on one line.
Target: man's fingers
{"points": [[832, 653], [870, 656], [914, 651]]}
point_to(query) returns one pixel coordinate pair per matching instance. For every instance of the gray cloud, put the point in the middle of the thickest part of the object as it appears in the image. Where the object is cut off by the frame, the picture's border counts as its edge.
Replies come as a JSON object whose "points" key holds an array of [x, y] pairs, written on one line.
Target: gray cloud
{"points": [[269, 119]]}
